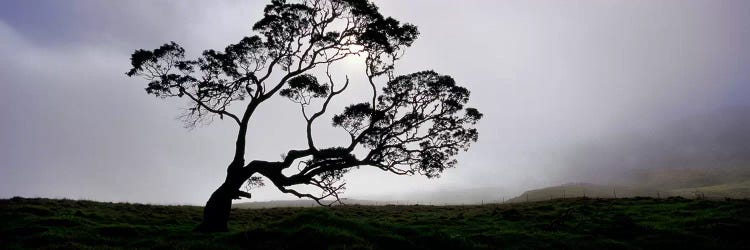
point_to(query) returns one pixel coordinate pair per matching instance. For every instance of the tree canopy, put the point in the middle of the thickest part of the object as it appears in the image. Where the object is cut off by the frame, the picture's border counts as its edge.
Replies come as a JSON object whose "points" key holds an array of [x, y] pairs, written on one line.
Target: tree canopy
{"points": [[413, 124]]}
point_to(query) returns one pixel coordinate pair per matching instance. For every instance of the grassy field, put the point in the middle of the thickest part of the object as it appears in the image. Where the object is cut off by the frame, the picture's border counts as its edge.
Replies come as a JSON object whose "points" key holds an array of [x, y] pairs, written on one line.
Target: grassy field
{"points": [[634, 223]]}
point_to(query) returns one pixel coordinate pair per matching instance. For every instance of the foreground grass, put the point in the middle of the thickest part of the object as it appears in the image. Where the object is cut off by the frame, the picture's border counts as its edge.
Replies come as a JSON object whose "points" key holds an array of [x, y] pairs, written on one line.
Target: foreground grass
{"points": [[560, 224]]}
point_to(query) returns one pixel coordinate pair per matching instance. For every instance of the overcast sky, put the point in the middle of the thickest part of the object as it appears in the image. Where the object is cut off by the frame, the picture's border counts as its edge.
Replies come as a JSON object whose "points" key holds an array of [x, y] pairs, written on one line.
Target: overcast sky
{"points": [[548, 75]]}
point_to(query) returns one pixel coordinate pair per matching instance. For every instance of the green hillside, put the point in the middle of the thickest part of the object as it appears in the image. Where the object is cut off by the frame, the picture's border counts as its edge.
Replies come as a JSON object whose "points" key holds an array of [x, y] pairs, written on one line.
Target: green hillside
{"points": [[559, 224], [738, 190], [709, 183]]}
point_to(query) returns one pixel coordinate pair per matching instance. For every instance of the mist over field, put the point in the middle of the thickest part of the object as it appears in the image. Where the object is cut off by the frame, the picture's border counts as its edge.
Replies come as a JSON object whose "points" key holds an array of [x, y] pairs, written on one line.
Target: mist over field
{"points": [[612, 93]]}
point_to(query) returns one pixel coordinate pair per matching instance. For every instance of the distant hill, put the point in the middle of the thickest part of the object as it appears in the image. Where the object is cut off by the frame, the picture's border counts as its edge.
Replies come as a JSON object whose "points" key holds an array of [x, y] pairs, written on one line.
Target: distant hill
{"points": [[730, 182], [737, 190]]}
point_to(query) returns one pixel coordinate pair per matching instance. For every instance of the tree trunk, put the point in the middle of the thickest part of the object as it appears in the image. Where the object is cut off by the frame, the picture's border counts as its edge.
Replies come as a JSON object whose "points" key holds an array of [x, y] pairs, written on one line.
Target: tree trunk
{"points": [[216, 211], [219, 205]]}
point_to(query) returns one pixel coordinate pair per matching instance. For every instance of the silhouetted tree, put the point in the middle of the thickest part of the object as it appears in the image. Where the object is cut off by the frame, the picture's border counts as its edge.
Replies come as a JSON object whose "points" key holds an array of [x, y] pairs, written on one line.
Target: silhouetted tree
{"points": [[415, 124]]}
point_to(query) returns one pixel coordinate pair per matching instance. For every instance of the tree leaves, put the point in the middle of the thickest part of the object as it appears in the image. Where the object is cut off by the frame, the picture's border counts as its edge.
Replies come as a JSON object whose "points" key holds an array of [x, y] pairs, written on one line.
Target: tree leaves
{"points": [[419, 128], [354, 117], [304, 87]]}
